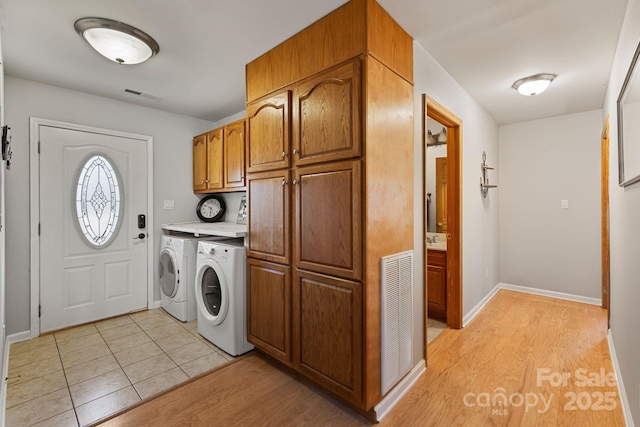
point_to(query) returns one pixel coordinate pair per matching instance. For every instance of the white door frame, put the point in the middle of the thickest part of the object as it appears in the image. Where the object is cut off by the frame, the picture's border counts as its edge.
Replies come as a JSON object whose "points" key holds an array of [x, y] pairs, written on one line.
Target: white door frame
{"points": [[34, 211]]}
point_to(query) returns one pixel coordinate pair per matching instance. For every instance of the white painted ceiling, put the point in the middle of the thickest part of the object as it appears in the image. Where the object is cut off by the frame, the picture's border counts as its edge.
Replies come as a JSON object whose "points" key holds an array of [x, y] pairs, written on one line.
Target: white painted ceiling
{"points": [[204, 45]]}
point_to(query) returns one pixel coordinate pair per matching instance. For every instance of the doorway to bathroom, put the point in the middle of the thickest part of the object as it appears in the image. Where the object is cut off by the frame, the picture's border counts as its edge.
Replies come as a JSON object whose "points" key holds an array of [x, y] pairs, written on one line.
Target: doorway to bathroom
{"points": [[442, 197]]}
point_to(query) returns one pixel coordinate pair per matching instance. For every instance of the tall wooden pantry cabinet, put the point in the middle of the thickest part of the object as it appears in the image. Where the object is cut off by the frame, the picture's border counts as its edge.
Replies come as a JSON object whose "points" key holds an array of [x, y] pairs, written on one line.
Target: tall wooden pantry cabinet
{"points": [[329, 163]]}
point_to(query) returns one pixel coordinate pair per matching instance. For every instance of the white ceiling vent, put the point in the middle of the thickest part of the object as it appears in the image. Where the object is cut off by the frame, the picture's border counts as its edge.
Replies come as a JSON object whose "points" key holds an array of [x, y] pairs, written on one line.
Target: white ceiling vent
{"points": [[142, 94]]}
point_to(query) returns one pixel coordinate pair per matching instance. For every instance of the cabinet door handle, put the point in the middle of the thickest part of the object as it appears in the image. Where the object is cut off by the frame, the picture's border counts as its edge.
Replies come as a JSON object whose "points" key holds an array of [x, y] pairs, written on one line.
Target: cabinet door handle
{"points": [[295, 182], [284, 182], [284, 154], [295, 151]]}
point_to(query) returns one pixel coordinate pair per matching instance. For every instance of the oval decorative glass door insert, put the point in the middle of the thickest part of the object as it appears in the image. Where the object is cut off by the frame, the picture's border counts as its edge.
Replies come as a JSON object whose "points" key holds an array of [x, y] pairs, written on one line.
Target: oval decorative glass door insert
{"points": [[98, 200]]}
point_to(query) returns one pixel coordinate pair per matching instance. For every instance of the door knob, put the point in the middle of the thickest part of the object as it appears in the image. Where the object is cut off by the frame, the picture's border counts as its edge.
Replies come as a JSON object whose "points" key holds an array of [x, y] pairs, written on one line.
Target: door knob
{"points": [[141, 236]]}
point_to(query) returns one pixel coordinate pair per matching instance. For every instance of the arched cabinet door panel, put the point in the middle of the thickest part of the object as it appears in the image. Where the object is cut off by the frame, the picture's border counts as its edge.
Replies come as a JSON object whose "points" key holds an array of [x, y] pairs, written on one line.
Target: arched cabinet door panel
{"points": [[268, 133], [327, 116], [234, 155]]}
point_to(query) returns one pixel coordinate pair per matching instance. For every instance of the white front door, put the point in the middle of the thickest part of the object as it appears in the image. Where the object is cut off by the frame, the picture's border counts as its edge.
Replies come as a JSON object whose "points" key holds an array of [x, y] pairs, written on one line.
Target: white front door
{"points": [[93, 255]]}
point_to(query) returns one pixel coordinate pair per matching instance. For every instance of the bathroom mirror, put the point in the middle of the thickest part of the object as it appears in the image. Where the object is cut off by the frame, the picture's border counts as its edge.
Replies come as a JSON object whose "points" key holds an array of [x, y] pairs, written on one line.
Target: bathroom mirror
{"points": [[436, 176], [629, 126]]}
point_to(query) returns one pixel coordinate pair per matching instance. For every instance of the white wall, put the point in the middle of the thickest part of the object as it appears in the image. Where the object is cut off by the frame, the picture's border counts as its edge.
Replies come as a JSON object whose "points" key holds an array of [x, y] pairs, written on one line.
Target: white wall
{"points": [[624, 228], [479, 216], [172, 135], [3, 388], [541, 163]]}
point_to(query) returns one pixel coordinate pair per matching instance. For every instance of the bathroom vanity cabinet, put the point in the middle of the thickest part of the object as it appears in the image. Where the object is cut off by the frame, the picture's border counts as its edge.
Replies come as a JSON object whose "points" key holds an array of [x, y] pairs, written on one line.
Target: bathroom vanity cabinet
{"points": [[437, 284]]}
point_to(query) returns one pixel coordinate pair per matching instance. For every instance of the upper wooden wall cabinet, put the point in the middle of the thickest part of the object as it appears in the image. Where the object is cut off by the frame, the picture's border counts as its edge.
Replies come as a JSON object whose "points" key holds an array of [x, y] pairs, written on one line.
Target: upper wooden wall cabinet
{"points": [[329, 183], [218, 159], [360, 27]]}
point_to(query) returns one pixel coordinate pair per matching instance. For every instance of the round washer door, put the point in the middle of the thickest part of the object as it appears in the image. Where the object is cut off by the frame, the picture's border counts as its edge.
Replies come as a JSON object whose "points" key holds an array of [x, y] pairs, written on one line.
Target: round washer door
{"points": [[168, 273], [212, 293]]}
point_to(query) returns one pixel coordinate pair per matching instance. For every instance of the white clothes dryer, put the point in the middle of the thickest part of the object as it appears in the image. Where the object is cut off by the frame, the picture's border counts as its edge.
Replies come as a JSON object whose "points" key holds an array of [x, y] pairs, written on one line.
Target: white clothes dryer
{"points": [[221, 296], [176, 272]]}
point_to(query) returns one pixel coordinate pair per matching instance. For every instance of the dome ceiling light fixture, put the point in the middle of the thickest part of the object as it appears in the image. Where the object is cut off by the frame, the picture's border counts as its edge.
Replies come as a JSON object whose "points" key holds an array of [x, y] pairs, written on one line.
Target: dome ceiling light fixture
{"points": [[116, 40], [533, 85]]}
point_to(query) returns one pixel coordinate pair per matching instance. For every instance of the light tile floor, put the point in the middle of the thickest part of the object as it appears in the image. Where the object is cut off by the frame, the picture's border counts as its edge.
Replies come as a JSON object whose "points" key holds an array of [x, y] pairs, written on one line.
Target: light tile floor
{"points": [[434, 328], [81, 375]]}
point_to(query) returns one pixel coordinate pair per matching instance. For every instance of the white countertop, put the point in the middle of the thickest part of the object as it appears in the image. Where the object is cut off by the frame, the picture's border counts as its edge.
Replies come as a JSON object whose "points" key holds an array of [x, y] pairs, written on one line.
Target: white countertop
{"points": [[224, 229], [440, 244]]}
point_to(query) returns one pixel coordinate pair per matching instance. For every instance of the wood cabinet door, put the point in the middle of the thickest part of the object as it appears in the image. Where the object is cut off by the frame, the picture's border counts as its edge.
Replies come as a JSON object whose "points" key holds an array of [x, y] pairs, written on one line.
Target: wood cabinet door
{"points": [[327, 122], [234, 155], [199, 163], [214, 159], [269, 306], [268, 133], [328, 219], [328, 332], [437, 292], [268, 202]]}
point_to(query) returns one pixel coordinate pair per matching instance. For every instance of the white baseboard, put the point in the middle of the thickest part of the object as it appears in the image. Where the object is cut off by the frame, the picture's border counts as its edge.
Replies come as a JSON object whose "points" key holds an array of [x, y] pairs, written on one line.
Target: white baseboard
{"points": [[156, 304], [552, 294], [534, 291], [17, 337], [624, 400], [478, 308], [393, 397]]}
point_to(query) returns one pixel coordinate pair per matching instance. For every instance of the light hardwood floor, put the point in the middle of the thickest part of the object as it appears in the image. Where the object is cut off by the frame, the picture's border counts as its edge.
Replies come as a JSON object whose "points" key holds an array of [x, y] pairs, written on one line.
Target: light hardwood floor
{"points": [[517, 346]]}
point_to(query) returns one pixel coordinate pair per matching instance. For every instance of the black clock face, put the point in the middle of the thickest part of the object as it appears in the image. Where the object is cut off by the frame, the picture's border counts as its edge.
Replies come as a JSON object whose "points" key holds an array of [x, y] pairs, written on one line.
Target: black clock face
{"points": [[211, 208]]}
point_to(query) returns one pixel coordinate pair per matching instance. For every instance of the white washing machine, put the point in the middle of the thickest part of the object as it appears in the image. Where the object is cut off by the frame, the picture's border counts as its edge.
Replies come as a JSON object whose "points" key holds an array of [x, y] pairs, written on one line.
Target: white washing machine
{"points": [[176, 272], [221, 296]]}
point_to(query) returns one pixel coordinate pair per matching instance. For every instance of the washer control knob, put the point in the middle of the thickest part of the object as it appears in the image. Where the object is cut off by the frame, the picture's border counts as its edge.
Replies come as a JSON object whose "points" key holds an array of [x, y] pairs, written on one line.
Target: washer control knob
{"points": [[212, 251]]}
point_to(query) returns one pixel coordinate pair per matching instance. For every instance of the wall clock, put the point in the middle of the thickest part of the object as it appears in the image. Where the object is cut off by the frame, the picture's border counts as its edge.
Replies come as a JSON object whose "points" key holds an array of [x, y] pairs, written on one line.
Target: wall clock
{"points": [[211, 208]]}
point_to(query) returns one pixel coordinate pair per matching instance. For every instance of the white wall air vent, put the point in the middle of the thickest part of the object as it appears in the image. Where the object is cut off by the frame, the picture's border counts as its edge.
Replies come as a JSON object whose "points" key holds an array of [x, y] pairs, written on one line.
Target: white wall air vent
{"points": [[396, 317], [142, 94]]}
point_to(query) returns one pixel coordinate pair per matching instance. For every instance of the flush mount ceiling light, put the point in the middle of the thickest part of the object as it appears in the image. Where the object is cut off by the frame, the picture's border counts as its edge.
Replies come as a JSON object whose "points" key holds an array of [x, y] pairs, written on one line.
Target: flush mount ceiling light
{"points": [[533, 85], [117, 41]]}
